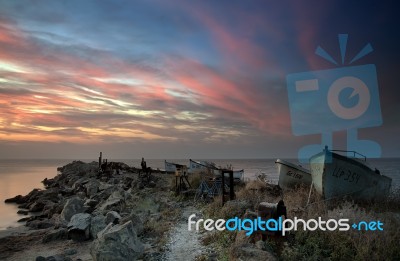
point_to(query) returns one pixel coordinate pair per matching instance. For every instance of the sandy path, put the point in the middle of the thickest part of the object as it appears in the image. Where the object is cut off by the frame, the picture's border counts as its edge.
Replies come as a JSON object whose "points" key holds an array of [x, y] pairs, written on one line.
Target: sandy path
{"points": [[183, 244]]}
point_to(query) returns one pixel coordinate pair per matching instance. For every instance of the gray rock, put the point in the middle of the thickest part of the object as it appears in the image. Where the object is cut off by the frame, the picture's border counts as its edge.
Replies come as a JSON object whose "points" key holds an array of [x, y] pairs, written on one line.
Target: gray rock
{"points": [[118, 243], [92, 188], [58, 234], [81, 194], [91, 202], [79, 227], [115, 201], [22, 212], [70, 251], [112, 217], [136, 222], [37, 206], [73, 206], [97, 224], [40, 258]]}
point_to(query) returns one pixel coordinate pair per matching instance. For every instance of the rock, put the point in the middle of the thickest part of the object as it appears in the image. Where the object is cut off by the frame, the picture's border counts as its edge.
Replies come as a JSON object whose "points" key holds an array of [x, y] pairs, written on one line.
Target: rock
{"points": [[24, 219], [136, 222], [79, 227], [37, 206], [73, 206], [40, 224], [114, 202], [112, 217], [81, 194], [48, 182], [97, 224], [54, 235], [104, 186], [118, 242], [22, 212], [92, 188], [40, 258], [17, 199], [91, 203], [70, 252]]}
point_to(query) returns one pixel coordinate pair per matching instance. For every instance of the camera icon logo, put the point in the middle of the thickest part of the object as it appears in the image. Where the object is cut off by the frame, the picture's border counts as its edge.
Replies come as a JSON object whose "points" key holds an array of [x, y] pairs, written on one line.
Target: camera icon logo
{"points": [[344, 98]]}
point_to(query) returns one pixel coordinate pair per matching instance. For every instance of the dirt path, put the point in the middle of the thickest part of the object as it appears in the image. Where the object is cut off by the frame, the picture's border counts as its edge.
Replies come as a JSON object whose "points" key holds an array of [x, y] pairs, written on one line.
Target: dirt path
{"points": [[183, 244]]}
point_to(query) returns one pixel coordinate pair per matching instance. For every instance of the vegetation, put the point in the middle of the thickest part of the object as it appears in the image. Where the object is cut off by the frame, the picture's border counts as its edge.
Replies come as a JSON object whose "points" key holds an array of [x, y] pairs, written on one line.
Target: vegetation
{"points": [[311, 245]]}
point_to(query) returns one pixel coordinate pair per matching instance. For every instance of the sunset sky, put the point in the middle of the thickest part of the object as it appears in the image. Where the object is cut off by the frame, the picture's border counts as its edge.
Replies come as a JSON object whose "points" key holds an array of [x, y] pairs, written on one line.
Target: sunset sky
{"points": [[178, 79]]}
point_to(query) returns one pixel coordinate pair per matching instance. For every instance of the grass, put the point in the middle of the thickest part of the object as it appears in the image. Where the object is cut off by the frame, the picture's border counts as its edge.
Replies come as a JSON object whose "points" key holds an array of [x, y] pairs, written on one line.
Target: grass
{"points": [[314, 245]]}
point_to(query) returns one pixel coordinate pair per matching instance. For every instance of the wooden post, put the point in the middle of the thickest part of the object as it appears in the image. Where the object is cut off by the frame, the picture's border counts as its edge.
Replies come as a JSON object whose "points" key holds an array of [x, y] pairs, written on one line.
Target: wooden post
{"points": [[223, 187], [231, 185], [100, 160], [231, 191]]}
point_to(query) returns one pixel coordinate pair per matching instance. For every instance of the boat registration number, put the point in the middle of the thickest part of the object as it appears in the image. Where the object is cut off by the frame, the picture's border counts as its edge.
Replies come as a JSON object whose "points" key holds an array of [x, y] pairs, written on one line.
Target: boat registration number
{"points": [[347, 175], [294, 174]]}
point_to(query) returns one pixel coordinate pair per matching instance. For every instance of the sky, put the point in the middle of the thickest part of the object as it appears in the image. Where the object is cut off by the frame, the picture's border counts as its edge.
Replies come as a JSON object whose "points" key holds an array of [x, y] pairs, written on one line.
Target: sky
{"points": [[179, 79]]}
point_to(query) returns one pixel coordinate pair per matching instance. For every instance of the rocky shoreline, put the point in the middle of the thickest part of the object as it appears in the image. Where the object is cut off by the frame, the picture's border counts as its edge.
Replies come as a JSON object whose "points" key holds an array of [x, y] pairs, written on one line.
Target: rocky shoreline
{"points": [[90, 214]]}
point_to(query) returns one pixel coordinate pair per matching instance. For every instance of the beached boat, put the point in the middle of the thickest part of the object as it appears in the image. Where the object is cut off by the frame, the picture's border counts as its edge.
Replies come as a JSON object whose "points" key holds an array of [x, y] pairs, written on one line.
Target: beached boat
{"points": [[170, 167], [238, 175], [202, 167], [336, 175], [292, 175], [211, 168]]}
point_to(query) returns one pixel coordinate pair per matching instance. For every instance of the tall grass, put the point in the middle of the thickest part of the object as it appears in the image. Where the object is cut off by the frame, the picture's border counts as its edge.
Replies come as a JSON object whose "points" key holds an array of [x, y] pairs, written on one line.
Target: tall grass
{"points": [[318, 245]]}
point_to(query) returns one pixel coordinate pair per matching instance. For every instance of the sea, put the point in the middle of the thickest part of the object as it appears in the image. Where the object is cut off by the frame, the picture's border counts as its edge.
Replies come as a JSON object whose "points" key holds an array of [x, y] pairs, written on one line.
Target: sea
{"points": [[19, 177]]}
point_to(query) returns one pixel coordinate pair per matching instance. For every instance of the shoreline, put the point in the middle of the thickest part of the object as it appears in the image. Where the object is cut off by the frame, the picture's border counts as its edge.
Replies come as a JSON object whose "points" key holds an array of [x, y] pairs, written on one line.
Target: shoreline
{"points": [[83, 213]]}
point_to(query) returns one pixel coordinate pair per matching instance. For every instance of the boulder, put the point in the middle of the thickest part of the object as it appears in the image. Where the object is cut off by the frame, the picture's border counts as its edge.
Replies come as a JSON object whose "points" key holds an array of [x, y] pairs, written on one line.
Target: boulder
{"points": [[97, 224], [112, 217], [79, 227], [114, 202], [118, 243], [73, 206], [92, 187], [136, 222]]}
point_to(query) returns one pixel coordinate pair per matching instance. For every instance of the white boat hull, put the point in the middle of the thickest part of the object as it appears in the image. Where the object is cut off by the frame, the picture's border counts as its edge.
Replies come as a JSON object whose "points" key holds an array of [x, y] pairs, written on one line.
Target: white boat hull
{"points": [[291, 175], [170, 167], [210, 168], [334, 175]]}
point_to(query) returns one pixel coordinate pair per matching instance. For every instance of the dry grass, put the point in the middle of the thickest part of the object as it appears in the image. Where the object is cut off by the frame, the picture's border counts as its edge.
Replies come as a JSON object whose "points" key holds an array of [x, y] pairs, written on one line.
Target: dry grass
{"points": [[347, 245], [317, 245]]}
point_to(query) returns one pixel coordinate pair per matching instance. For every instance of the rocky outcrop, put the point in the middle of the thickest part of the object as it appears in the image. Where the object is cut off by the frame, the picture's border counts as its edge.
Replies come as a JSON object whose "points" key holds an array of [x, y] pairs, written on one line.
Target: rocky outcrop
{"points": [[117, 242]]}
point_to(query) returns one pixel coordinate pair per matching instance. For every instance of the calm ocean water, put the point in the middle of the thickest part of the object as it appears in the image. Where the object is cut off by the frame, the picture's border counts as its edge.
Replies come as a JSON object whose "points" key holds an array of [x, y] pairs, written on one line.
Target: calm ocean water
{"points": [[21, 176]]}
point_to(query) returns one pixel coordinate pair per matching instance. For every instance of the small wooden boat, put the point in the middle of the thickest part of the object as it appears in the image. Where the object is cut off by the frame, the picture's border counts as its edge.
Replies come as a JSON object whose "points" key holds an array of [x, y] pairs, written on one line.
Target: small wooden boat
{"points": [[335, 175], [211, 168], [170, 167], [202, 167], [292, 175]]}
